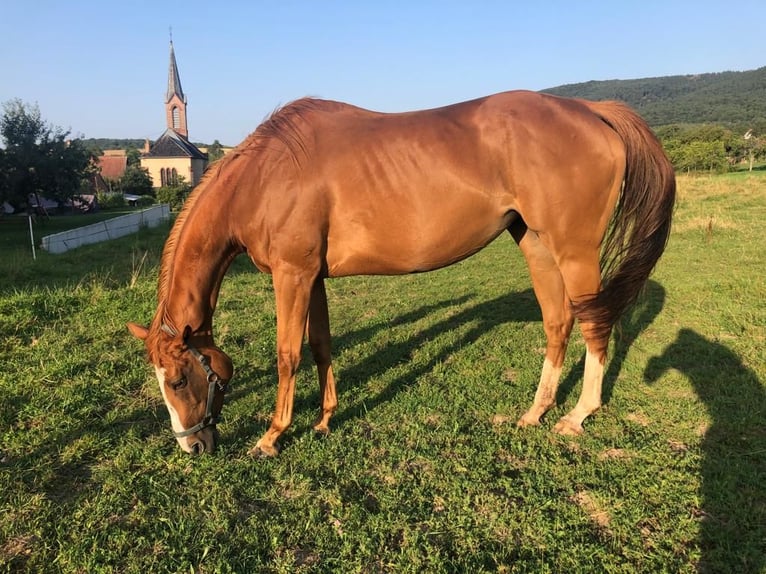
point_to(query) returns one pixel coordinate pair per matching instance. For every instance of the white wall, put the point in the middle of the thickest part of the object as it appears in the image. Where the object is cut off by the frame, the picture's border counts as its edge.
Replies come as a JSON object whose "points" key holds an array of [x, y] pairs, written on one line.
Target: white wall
{"points": [[105, 230]]}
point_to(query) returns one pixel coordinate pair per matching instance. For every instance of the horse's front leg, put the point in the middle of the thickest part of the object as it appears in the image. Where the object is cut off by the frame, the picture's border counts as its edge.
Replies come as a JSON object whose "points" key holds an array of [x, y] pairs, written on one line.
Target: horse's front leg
{"points": [[292, 291], [319, 341]]}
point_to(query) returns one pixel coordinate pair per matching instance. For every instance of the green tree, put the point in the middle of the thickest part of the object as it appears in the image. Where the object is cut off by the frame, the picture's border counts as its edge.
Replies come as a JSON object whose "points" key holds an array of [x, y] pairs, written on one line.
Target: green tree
{"points": [[702, 147], [134, 156], [175, 195], [753, 148], [39, 159], [136, 180], [214, 151], [702, 156]]}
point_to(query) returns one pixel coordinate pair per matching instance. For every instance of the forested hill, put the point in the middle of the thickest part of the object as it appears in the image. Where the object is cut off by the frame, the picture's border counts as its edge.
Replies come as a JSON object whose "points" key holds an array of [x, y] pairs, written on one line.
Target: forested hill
{"points": [[120, 143], [728, 98]]}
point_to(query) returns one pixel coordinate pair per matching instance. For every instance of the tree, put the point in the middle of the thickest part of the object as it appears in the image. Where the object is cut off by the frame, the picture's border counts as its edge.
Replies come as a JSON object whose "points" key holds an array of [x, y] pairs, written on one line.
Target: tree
{"points": [[702, 156], [136, 180], [753, 148], [702, 147], [174, 194], [38, 159], [133, 155], [214, 152]]}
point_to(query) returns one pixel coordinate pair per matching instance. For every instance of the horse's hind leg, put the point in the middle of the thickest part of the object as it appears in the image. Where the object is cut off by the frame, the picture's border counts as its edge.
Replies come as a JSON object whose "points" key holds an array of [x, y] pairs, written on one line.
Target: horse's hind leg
{"points": [[582, 278], [557, 318], [319, 341]]}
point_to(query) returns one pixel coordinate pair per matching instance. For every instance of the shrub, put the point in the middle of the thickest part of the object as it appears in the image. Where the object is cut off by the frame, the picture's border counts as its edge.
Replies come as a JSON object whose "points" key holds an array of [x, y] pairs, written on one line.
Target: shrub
{"points": [[174, 194], [136, 180], [110, 200]]}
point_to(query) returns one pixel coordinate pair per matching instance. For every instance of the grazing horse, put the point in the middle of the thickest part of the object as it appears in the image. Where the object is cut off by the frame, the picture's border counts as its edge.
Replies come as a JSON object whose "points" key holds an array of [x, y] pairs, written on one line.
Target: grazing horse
{"points": [[325, 189]]}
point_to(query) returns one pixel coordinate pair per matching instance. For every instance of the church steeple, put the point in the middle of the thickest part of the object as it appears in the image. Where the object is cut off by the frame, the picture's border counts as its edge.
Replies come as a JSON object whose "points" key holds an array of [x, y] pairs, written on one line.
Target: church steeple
{"points": [[175, 100], [174, 80], [172, 156]]}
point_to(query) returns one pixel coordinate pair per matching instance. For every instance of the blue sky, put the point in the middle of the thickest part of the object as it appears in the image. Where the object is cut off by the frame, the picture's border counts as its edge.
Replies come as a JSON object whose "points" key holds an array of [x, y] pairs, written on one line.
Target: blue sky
{"points": [[99, 69]]}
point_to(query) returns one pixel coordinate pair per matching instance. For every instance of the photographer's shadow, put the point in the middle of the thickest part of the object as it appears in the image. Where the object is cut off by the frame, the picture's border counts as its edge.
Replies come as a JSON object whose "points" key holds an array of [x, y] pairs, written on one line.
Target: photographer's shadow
{"points": [[733, 527]]}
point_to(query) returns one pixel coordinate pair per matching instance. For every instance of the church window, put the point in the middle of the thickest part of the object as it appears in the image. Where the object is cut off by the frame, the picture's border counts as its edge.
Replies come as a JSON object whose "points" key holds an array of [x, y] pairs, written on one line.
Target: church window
{"points": [[176, 118]]}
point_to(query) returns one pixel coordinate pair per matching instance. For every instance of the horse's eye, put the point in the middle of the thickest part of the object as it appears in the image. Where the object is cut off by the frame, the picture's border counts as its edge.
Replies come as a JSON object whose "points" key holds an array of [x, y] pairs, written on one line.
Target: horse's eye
{"points": [[179, 384]]}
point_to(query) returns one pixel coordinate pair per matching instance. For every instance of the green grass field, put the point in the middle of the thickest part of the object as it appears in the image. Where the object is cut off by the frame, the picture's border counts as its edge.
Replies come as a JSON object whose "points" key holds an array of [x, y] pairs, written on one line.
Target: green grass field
{"points": [[425, 470]]}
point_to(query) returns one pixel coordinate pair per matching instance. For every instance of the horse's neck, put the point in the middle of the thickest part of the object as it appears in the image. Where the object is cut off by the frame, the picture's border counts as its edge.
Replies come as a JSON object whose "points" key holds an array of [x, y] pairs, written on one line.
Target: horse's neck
{"points": [[203, 253]]}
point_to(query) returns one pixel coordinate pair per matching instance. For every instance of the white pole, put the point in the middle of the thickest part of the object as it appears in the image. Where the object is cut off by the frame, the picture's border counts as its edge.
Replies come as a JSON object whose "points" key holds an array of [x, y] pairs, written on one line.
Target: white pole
{"points": [[32, 239]]}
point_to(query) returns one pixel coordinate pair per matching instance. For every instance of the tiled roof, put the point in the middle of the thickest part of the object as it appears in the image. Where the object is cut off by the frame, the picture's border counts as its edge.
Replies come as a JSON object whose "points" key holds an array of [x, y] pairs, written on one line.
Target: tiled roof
{"points": [[112, 166], [174, 80], [173, 144]]}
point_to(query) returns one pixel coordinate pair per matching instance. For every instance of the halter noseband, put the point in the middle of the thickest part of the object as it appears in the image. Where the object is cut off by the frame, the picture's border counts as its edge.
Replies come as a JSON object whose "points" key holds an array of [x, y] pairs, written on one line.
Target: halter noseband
{"points": [[213, 381]]}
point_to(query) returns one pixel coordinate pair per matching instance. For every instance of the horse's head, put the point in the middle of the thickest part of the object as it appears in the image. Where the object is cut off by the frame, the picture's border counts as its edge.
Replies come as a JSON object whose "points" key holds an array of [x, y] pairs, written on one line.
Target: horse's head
{"points": [[193, 374]]}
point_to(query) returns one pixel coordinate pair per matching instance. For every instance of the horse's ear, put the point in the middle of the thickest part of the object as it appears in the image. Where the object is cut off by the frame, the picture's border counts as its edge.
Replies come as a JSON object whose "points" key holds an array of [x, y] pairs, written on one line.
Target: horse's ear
{"points": [[138, 331]]}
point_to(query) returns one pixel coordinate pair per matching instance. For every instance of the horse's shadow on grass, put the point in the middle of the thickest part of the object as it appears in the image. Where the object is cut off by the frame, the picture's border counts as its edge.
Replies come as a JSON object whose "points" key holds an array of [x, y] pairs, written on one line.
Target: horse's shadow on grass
{"points": [[485, 316], [518, 307], [514, 307], [733, 515]]}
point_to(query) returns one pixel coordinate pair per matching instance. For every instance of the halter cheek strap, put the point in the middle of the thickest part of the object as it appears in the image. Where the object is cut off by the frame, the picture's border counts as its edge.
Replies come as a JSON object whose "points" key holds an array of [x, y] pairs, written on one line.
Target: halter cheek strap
{"points": [[213, 381]]}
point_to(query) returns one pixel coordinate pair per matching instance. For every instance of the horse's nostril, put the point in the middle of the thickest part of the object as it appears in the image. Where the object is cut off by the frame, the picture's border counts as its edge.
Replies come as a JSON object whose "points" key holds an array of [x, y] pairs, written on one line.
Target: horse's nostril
{"points": [[198, 447]]}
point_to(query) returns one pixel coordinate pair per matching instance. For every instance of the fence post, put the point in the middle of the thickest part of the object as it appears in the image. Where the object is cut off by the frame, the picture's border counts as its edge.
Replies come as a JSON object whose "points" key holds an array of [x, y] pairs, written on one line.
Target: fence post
{"points": [[32, 239]]}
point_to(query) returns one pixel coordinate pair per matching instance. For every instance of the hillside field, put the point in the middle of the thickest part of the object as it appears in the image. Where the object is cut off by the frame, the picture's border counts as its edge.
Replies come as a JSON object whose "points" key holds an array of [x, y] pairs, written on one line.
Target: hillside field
{"points": [[425, 470]]}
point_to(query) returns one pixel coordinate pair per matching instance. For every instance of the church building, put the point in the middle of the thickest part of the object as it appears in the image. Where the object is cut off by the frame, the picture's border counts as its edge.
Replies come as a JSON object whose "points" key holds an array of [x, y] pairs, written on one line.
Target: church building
{"points": [[173, 155]]}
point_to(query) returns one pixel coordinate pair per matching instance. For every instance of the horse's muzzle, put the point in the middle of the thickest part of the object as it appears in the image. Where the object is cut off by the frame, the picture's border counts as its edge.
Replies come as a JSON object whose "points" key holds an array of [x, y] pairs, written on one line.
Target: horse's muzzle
{"points": [[206, 443]]}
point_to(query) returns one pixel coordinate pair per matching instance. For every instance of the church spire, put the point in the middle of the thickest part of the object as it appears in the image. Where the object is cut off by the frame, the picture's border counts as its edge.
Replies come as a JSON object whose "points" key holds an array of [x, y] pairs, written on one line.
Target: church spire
{"points": [[174, 80], [175, 99]]}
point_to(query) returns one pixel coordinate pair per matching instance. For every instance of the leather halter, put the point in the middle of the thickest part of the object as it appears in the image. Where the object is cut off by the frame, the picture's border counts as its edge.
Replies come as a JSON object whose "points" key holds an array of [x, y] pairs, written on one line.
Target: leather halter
{"points": [[213, 381]]}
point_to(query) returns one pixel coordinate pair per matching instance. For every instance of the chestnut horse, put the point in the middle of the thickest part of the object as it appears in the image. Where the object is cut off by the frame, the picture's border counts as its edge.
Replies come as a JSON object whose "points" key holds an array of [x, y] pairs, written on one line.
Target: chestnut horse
{"points": [[324, 189]]}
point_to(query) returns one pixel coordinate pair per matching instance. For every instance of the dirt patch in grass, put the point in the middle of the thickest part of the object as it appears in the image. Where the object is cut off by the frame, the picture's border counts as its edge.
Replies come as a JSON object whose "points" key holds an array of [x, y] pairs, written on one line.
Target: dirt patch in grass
{"points": [[17, 547], [614, 454], [638, 418], [593, 509]]}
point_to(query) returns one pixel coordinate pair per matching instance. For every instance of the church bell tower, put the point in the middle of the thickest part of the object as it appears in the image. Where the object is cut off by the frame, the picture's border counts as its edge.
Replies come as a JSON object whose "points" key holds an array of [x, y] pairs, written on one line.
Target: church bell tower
{"points": [[172, 156], [175, 100]]}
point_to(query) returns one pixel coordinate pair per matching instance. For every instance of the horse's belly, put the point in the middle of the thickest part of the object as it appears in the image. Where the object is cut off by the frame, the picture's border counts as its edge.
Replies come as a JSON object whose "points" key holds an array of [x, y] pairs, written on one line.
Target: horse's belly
{"points": [[406, 244]]}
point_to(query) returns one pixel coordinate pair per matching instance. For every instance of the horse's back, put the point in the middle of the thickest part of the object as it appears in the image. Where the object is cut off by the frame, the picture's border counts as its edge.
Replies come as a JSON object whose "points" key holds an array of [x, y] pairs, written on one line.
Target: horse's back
{"points": [[414, 191]]}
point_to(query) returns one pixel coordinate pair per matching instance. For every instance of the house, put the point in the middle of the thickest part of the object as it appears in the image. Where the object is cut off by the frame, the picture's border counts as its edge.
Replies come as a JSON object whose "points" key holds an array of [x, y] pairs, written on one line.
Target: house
{"points": [[112, 163], [111, 167]]}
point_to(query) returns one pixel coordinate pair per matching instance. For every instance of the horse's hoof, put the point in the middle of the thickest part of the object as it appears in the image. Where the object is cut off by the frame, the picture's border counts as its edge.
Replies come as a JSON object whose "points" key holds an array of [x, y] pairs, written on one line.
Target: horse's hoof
{"points": [[526, 421], [565, 427], [262, 451], [323, 430]]}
